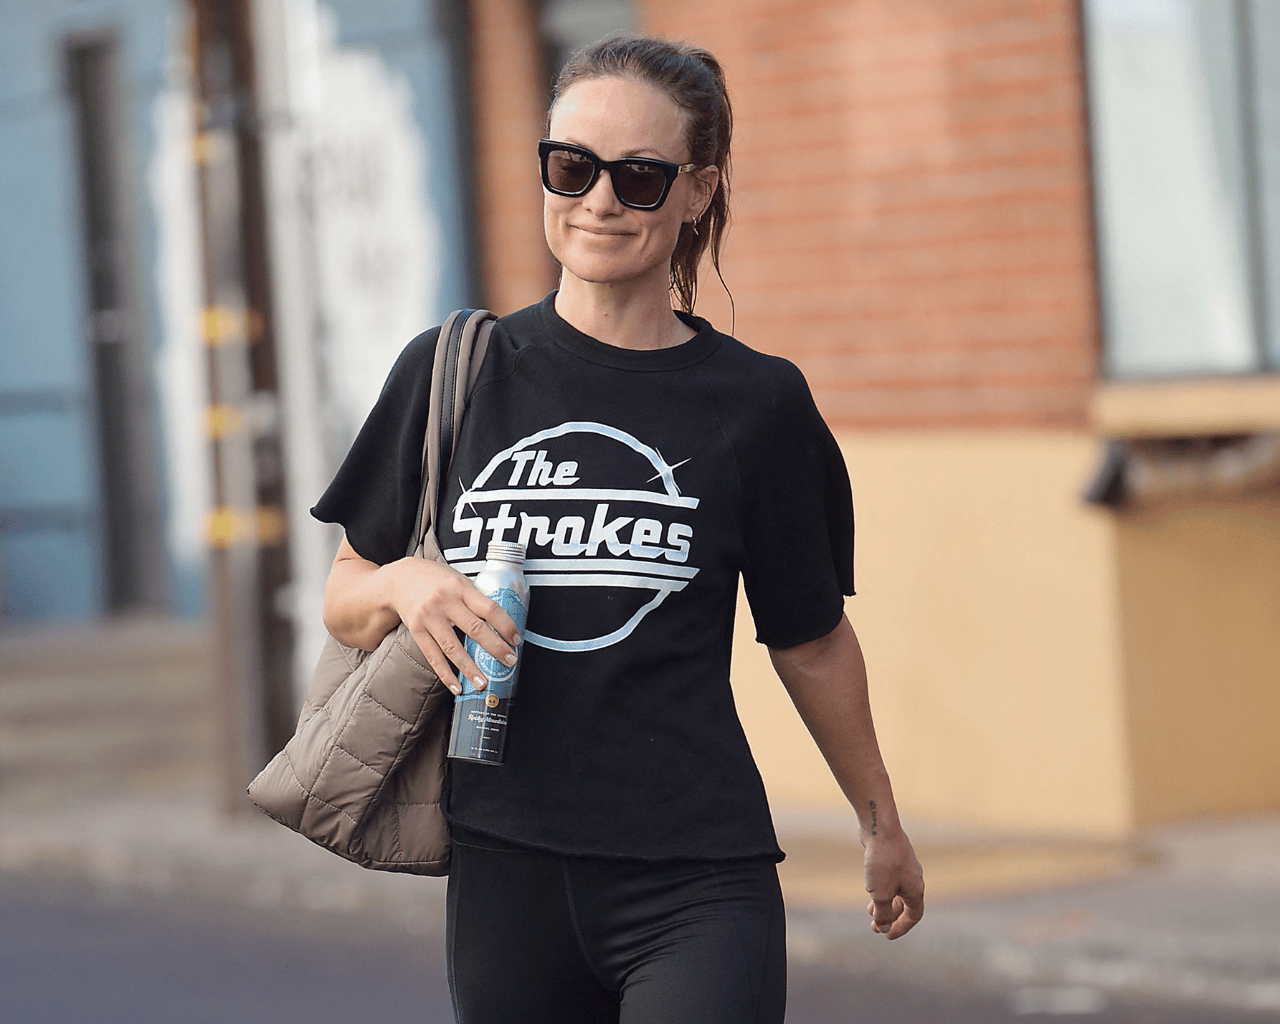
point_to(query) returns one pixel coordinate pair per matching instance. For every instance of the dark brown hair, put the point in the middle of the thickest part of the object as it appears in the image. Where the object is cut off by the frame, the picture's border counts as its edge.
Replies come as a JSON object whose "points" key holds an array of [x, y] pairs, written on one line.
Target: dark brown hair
{"points": [[693, 78]]}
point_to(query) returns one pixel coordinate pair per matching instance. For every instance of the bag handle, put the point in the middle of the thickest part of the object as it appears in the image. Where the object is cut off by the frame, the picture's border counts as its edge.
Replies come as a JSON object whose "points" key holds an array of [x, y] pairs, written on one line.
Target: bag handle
{"points": [[460, 351]]}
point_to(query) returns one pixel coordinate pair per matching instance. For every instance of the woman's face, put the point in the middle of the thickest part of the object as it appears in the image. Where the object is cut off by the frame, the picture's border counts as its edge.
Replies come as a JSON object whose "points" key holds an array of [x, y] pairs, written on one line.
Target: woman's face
{"points": [[594, 237]]}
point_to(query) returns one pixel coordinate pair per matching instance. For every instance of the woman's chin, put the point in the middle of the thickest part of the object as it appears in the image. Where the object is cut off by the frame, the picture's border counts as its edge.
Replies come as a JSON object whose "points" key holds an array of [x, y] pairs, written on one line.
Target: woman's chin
{"points": [[608, 270]]}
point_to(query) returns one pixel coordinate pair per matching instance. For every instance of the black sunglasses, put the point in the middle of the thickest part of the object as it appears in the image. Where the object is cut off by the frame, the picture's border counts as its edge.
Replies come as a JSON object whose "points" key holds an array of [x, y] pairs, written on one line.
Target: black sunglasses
{"points": [[639, 182]]}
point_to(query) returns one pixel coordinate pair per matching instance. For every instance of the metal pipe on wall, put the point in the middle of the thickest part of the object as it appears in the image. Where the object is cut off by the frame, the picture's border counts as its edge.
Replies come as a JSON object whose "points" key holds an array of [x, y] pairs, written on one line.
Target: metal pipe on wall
{"points": [[248, 536]]}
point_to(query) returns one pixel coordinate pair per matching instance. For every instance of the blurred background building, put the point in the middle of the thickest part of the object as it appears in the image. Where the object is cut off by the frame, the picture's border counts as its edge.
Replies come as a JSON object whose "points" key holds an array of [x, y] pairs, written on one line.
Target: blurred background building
{"points": [[1027, 253]]}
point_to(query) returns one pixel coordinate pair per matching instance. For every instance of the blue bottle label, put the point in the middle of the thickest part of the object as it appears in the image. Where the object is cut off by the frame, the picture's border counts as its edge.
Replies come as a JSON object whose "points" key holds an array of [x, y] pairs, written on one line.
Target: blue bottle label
{"points": [[479, 730], [502, 678]]}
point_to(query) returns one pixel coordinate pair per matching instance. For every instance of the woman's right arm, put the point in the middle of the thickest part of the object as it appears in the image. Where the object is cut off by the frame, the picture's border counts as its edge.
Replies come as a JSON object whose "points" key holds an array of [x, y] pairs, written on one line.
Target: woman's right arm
{"points": [[364, 601]]}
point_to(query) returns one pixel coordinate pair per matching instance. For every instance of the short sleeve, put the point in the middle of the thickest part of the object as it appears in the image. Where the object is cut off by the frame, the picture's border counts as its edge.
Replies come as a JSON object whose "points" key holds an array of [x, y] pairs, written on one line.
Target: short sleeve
{"points": [[374, 495], [797, 519]]}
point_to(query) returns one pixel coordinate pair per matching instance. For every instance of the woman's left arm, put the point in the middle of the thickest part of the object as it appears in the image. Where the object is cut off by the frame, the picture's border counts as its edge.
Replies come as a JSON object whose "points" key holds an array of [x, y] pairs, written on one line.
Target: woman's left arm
{"points": [[827, 681]]}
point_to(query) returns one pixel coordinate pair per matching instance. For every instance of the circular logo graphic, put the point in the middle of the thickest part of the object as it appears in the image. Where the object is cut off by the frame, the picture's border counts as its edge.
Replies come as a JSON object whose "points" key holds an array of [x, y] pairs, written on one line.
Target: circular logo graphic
{"points": [[608, 532]]}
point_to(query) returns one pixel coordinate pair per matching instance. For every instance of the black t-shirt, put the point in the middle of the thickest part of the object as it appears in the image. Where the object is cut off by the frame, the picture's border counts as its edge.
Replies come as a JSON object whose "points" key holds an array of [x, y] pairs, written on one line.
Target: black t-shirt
{"points": [[643, 483]]}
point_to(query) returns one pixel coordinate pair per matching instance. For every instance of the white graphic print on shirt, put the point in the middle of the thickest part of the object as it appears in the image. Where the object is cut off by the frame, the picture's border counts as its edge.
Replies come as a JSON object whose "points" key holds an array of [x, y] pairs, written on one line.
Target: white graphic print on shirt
{"points": [[609, 518]]}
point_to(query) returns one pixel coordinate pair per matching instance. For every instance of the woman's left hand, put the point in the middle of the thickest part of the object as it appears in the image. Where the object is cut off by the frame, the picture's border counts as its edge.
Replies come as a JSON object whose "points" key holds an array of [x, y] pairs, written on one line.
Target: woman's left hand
{"points": [[895, 881]]}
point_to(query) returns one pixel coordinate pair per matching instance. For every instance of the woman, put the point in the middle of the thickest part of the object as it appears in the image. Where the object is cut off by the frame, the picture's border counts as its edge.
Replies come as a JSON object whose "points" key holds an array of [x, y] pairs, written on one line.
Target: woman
{"points": [[621, 865]]}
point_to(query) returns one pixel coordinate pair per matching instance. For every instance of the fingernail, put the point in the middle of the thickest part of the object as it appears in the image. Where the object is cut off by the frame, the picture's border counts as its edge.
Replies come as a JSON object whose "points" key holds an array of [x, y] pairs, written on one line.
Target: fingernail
{"points": [[519, 640], [455, 689], [480, 682], [510, 660]]}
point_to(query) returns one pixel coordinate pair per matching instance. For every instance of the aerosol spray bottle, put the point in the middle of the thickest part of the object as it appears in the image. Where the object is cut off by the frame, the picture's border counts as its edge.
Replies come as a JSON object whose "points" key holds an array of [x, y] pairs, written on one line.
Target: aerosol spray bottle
{"points": [[480, 716]]}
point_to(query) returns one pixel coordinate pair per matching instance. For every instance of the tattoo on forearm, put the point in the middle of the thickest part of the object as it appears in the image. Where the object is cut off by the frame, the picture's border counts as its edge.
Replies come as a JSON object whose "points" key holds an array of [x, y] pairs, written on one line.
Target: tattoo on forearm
{"points": [[873, 817]]}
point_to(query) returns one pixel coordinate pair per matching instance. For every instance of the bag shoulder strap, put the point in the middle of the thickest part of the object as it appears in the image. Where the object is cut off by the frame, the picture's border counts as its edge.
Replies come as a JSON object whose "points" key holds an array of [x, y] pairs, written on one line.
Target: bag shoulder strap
{"points": [[460, 351]]}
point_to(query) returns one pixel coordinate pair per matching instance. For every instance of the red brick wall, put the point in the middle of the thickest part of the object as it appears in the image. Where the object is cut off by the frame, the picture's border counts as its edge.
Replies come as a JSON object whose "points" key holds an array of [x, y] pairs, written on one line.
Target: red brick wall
{"points": [[911, 204], [509, 97]]}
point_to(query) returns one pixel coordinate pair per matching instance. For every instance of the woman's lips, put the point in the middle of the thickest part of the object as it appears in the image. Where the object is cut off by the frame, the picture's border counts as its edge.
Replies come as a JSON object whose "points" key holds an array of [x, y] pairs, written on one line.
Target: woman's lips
{"points": [[592, 230]]}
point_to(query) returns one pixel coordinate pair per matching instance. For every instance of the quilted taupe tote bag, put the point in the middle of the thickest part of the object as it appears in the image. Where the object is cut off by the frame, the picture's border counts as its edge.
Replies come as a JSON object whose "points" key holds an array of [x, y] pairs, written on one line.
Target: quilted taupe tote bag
{"points": [[363, 772]]}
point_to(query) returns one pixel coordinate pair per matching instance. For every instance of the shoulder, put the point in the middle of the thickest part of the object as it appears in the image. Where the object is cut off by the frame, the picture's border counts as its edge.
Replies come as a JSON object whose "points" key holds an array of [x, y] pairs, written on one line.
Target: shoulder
{"points": [[768, 383], [523, 322], [417, 357], [765, 406], [413, 365], [410, 376], [408, 385], [513, 334]]}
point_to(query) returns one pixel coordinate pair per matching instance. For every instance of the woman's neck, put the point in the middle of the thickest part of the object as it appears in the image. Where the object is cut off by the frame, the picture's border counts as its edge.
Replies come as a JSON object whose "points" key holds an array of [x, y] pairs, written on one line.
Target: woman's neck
{"points": [[620, 316]]}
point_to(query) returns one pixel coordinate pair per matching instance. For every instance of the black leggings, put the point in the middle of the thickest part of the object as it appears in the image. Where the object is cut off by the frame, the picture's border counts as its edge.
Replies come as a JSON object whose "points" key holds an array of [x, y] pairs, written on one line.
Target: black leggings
{"points": [[539, 938]]}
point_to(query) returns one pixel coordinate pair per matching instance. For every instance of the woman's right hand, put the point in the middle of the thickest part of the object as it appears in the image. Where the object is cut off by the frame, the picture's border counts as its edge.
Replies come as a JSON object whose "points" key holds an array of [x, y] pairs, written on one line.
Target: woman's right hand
{"points": [[363, 602]]}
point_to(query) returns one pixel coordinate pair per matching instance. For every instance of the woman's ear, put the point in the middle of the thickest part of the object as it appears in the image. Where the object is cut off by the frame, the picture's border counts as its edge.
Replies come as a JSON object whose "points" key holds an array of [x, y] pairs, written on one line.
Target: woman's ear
{"points": [[705, 181]]}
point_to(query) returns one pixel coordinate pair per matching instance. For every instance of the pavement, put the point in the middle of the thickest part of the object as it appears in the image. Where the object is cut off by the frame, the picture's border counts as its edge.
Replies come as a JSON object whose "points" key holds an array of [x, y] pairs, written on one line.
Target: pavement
{"points": [[106, 756]]}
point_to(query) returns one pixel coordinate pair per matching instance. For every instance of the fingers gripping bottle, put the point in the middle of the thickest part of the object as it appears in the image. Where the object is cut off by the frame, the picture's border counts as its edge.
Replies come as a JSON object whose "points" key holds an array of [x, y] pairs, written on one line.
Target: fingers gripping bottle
{"points": [[480, 716]]}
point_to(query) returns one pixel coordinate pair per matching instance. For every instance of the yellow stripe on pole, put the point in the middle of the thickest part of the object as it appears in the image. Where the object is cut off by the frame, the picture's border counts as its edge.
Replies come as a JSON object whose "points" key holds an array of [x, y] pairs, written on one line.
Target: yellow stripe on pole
{"points": [[226, 527], [222, 324], [267, 526], [202, 147], [223, 420]]}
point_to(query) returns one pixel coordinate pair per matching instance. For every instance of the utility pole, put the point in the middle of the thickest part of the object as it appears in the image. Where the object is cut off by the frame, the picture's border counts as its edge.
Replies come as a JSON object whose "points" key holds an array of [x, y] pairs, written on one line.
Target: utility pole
{"points": [[247, 534]]}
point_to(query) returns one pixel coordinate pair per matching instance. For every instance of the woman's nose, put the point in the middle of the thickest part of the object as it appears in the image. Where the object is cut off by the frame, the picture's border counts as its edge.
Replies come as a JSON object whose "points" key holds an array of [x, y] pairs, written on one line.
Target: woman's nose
{"points": [[601, 195]]}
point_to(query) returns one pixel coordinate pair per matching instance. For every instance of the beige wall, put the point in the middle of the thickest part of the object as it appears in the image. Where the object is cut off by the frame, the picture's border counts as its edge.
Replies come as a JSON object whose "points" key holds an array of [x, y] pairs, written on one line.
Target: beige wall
{"points": [[987, 610], [1200, 611], [1037, 663]]}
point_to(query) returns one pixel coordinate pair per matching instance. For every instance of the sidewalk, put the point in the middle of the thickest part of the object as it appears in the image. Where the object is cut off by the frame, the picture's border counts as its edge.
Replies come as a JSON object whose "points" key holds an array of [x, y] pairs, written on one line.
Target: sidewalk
{"points": [[104, 761], [1192, 915]]}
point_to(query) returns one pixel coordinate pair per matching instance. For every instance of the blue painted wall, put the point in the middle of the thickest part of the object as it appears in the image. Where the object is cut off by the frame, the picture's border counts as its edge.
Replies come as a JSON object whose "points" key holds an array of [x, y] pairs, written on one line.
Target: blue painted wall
{"points": [[50, 497], [51, 548], [408, 37]]}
